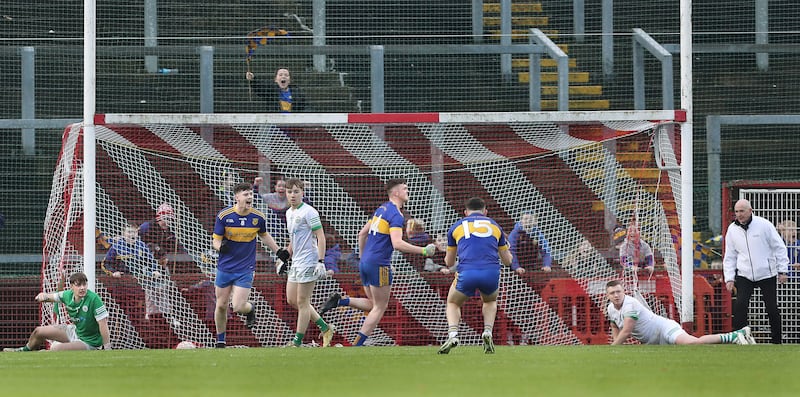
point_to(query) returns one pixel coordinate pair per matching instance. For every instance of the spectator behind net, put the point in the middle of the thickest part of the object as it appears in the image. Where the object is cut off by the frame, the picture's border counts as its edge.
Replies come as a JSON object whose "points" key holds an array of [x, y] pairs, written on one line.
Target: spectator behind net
{"points": [[283, 97]]}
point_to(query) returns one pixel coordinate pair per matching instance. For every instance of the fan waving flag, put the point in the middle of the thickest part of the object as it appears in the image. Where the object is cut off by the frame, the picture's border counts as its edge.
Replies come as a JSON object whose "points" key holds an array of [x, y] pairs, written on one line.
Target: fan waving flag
{"points": [[262, 37]]}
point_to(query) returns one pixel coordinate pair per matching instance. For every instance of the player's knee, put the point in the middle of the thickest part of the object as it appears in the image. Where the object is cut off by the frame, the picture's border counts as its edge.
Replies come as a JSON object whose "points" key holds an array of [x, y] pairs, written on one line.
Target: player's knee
{"points": [[241, 307]]}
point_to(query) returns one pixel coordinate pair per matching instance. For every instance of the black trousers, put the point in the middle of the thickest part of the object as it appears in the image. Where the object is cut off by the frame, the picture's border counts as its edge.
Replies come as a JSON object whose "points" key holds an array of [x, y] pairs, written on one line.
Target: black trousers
{"points": [[769, 295]]}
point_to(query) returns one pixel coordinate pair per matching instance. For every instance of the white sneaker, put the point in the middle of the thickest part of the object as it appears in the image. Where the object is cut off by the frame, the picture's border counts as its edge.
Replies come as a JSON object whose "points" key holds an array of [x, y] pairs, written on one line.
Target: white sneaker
{"points": [[488, 344], [748, 336], [448, 344]]}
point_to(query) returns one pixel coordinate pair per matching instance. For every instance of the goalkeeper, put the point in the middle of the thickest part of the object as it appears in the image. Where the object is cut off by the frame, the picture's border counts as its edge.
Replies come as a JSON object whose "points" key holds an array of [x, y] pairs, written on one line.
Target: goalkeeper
{"points": [[630, 318], [235, 231]]}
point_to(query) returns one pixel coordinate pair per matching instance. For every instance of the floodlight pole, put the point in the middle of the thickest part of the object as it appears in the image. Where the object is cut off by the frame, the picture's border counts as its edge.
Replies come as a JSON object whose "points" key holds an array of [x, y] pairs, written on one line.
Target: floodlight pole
{"points": [[89, 154]]}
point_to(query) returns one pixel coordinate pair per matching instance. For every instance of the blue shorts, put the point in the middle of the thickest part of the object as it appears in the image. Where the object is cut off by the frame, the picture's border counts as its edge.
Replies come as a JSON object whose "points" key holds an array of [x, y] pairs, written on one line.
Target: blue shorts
{"points": [[375, 276], [225, 279], [487, 281]]}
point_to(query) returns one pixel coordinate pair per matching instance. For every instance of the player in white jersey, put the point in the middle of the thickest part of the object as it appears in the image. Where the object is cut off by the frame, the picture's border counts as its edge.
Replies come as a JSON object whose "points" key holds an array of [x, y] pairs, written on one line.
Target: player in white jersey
{"points": [[629, 318], [307, 246]]}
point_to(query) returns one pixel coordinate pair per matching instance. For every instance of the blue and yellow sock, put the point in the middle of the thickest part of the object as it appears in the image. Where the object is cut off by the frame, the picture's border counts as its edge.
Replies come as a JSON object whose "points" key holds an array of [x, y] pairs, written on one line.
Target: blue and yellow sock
{"points": [[360, 339], [221, 337]]}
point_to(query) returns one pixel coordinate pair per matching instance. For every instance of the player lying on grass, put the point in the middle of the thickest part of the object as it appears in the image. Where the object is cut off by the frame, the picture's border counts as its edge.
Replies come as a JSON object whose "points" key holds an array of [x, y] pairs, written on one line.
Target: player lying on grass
{"points": [[630, 318]]}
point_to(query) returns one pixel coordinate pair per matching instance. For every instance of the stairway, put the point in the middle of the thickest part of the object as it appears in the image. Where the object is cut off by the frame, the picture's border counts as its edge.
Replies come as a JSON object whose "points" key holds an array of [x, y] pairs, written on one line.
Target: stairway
{"points": [[527, 14]]}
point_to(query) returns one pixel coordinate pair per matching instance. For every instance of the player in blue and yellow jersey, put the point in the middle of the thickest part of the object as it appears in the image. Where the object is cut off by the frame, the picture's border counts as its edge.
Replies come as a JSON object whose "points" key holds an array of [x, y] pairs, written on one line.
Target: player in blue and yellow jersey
{"points": [[235, 231], [480, 245], [380, 236]]}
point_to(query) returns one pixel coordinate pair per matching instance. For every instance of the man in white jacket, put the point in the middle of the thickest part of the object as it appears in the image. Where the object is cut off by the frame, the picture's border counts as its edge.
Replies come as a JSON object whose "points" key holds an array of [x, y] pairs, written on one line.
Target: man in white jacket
{"points": [[755, 256]]}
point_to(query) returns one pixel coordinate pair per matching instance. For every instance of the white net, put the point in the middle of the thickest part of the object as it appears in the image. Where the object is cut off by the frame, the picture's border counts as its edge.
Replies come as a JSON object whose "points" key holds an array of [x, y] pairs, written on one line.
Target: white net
{"points": [[578, 179]]}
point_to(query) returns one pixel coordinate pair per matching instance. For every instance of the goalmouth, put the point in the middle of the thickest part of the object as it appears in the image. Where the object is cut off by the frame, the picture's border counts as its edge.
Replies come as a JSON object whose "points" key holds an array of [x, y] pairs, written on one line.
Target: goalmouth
{"points": [[581, 173]]}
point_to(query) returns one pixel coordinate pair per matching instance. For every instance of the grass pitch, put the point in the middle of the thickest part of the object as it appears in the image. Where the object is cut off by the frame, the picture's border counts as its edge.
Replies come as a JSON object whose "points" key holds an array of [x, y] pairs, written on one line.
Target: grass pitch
{"points": [[721, 370]]}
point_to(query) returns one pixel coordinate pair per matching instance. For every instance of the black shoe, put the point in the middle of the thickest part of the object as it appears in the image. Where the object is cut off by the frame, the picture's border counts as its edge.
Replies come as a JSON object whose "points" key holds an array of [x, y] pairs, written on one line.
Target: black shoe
{"points": [[220, 345], [251, 317], [331, 303]]}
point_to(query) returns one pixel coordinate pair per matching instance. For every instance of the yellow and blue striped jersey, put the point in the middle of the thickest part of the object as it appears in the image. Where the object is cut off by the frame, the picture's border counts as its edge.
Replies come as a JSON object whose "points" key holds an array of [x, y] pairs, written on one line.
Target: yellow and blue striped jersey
{"points": [[477, 239], [378, 248], [240, 231]]}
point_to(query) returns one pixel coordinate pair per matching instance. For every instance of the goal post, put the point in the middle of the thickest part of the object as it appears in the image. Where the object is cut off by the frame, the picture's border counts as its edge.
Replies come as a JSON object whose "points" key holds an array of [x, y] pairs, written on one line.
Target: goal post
{"points": [[580, 173]]}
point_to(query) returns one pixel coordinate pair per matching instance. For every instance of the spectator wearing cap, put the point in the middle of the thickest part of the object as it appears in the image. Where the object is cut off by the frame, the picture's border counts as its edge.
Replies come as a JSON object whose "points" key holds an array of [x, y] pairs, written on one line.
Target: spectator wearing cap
{"points": [[158, 234], [529, 245]]}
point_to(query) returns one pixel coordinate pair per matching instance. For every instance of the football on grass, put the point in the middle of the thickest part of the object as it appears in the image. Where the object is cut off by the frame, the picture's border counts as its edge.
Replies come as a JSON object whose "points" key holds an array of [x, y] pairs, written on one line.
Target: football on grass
{"points": [[185, 345]]}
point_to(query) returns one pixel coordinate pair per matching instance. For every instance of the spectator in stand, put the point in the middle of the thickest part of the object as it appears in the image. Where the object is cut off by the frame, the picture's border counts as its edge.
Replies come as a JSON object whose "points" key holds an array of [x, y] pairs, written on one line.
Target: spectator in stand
{"points": [[635, 252], [529, 245], [277, 200], [437, 263], [788, 231], [580, 257], [630, 318], [285, 97], [278, 203], [416, 234], [88, 328], [333, 253], [755, 256], [481, 246], [129, 254], [377, 240], [158, 235]]}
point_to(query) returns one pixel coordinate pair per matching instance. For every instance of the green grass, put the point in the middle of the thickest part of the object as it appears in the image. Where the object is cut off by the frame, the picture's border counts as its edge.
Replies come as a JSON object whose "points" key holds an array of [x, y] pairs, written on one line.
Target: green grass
{"points": [[722, 370]]}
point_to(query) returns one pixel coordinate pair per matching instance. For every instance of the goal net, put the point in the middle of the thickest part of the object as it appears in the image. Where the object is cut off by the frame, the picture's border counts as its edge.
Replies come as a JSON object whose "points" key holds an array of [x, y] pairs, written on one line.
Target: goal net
{"points": [[583, 177]]}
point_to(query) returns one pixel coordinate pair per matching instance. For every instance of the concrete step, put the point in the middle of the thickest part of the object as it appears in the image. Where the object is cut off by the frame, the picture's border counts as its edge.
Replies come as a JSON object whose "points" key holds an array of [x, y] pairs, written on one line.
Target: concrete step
{"points": [[519, 22], [588, 90], [552, 77], [521, 35], [515, 7], [523, 63], [578, 104]]}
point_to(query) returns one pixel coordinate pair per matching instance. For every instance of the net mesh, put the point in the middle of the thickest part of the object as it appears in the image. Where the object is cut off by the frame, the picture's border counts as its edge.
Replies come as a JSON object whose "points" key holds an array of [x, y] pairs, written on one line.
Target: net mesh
{"points": [[581, 180]]}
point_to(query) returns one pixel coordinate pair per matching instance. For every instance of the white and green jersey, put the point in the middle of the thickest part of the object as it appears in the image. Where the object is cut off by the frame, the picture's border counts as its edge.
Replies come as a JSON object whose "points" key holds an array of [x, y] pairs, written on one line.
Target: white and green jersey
{"points": [[84, 315], [650, 328], [302, 222]]}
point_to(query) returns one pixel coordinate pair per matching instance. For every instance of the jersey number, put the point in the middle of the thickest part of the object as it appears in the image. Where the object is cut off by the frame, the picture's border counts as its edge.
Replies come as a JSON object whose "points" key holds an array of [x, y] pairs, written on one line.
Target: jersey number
{"points": [[480, 228]]}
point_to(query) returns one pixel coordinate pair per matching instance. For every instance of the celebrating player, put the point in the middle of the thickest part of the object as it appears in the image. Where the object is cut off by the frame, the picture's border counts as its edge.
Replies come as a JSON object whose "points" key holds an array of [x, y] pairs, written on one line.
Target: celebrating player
{"points": [[235, 231], [88, 316], [630, 318], [480, 245], [307, 246], [382, 234]]}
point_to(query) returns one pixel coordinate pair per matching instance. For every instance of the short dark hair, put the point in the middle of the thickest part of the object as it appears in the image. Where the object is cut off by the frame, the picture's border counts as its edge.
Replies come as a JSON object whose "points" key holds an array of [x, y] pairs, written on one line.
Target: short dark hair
{"points": [[78, 279], [240, 187], [475, 204], [613, 283], [294, 182], [391, 183]]}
